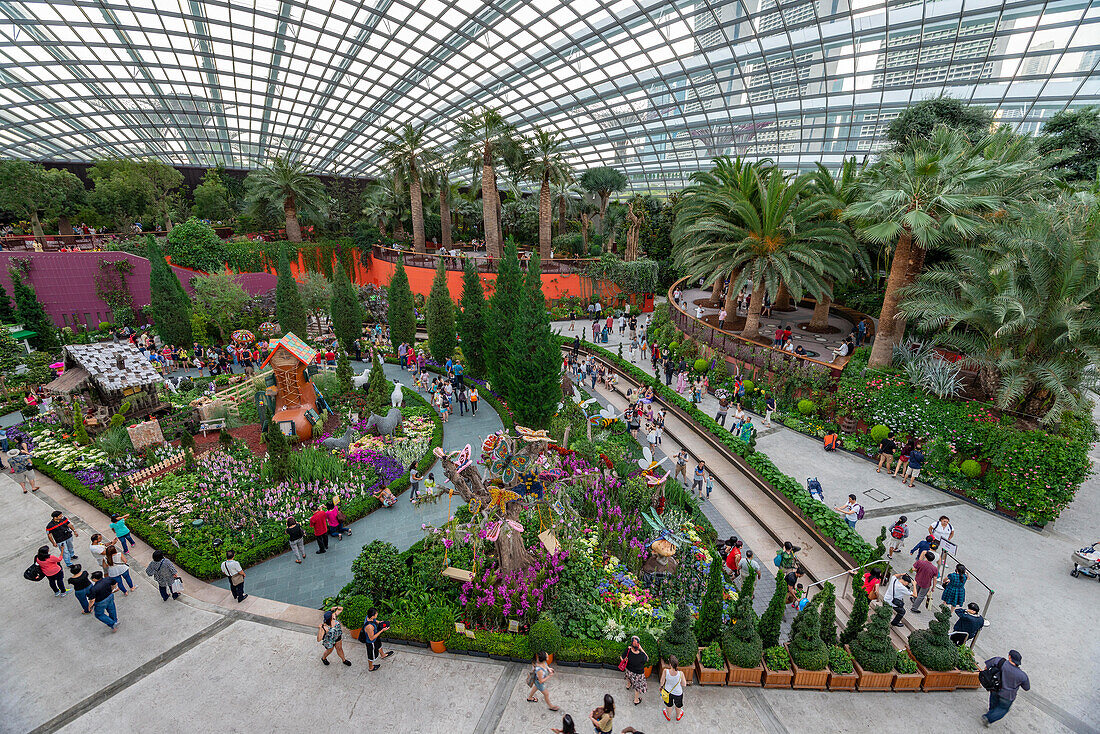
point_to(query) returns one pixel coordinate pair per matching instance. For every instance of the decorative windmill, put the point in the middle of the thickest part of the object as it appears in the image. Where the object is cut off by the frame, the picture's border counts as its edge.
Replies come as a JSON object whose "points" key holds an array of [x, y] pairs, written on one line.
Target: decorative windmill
{"points": [[649, 468]]}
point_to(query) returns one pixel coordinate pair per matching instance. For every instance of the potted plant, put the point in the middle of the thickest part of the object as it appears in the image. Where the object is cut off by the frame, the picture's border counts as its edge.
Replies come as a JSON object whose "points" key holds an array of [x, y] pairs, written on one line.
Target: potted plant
{"points": [[809, 656], [680, 641], [908, 677], [937, 657], [544, 636], [438, 626], [873, 654], [354, 614], [777, 667], [741, 641], [842, 674], [711, 668], [649, 644], [968, 669]]}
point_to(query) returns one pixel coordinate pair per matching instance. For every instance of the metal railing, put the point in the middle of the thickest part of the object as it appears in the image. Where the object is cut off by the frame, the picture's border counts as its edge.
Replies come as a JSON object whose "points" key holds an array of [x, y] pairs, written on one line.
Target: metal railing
{"points": [[80, 242], [483, 262]]}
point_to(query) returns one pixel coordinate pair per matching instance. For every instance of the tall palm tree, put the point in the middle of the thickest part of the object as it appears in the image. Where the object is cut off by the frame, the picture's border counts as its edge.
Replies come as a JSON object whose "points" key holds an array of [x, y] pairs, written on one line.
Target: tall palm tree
{"points": [[932, 193], [441, 164], [838, 191], [1023, 305], [382, 204], [487, 137], [546, 163], [761, 224], [408, 157], [287, 184], [566, 196]]}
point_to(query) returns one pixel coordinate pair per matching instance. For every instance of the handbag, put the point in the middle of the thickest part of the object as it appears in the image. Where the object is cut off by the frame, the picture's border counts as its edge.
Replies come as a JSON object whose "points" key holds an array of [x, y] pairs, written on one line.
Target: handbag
{"points": [[778, 560], [177, 585], [622, 664], [34, 572], [532, 678], [665, 696]]}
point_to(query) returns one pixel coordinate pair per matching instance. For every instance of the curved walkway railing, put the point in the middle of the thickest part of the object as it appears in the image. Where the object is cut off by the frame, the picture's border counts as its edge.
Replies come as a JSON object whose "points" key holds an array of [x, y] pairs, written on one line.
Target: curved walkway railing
{"points": [[484, 263], [742, 350], [58, 242]]}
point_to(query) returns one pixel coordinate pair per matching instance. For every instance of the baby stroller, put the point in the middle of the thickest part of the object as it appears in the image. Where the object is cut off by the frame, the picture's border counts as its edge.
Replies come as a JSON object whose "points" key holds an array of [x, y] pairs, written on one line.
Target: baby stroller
{"points": [[815, 489], [1086, 561]]}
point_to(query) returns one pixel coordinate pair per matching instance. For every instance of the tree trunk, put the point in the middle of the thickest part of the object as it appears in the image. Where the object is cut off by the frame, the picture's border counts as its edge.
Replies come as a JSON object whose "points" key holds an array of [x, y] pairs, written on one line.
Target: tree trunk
{"points": [[561, 216], [820, 319], [891, 329], [36, 226], [603, 209], [490, 220], [731, 294], [64, 226], [417, 206], [716, 290], [445, 213], [782, 298], [752, 320], [545, 218], [293, 231], [167, 222]]}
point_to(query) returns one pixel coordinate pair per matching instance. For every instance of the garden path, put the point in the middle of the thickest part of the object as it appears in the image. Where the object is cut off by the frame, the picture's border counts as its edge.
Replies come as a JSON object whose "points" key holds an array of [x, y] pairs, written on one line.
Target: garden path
{"points": [[1026, 568], [307, 584]]}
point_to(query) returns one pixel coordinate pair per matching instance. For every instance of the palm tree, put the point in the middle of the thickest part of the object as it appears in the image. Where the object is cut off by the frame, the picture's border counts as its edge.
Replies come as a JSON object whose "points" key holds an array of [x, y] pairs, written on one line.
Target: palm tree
{"points": [[441, 165], [382, 204], [286, 184], [487, 137], [603, 182], [1024, 307], [567, 197], [546, 164], [408, 156], [764, 226], [838, 192]]}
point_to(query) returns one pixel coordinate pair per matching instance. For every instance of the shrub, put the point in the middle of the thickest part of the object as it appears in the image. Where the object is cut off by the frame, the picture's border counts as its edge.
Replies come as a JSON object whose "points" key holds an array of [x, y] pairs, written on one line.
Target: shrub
{"points": [[966, 659], [807, 407], [378, 572], [439, 625], [904, 663], [709, 625], [776, 658], [771, 621], [748, 385], [672, 346], [828, 613], [971, 468], [679, 640], [355, 611], [741, 641], [879, 432], [649, 644], [544, 636], [701, 365], [711, 657], [860, 606], [872, 648], [932, 647], [840, 661], [193, 244], [807, 650]]}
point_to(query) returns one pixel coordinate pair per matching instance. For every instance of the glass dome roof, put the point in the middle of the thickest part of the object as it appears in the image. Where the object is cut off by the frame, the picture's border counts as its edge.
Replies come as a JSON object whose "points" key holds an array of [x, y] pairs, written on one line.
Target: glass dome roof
{"points": [[656, 88]]}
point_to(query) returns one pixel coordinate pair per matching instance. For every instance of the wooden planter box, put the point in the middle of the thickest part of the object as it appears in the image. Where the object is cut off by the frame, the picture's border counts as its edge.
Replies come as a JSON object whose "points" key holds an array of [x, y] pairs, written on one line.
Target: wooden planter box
{"points": [[710, 676], [777, 678], [844, 681], [816, 680], [868, 681], [687, 670], [936, 680], [967, 680], [746, 676], [908, 681]]}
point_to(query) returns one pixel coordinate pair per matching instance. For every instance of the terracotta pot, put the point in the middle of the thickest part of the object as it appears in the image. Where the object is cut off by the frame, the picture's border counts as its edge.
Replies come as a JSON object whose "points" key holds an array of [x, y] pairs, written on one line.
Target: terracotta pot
{"points": [[868, 681], [777, 678], [438, 647], [549, 658], [648, 670], [967, 680], [709, 676], [355, 633], [746, 676], [937, 680]]}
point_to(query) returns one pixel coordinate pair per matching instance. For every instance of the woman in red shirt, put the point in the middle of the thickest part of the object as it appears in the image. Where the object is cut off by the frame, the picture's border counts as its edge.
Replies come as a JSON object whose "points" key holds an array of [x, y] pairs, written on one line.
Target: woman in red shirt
{"points": [[51, 566], [319, 523], [733, 560], [871, 580]]}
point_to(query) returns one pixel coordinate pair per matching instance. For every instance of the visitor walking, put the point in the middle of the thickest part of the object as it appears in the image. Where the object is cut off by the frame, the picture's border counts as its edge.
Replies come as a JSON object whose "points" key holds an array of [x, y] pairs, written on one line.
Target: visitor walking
{"points": [[916, 463], [769, 408], [672, 689], [899, 531], [723, 409], [118, 527], [633, 664], [924, 572], [98, 549], [60, 532], [1008, 682], [567, 726], [786, 558], [330, 634], [51, 569], [81, 584], [699, 478], [793, 585], [886, 449], [602, 717], [414, 484], [897, 591], [318, 522], [165, 573], [233, 571], [681, 465], [119, 570], [474, 397], [903, 459], [539, 680], [942, 530], [372, 638], [954, 591], [297, 538], [102, 595]]}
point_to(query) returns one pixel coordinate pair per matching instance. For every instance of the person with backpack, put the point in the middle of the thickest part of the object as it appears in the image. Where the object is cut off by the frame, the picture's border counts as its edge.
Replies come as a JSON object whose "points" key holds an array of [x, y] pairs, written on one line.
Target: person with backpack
{"points": [[1003, 679], [853, 511], [897, 591], [786, 557], [925, 571], [899, 531]]}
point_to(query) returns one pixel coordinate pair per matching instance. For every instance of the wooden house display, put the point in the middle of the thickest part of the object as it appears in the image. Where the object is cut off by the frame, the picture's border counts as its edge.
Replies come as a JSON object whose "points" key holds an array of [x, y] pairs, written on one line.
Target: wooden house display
{"points": [[294, 408], [106, 375]]}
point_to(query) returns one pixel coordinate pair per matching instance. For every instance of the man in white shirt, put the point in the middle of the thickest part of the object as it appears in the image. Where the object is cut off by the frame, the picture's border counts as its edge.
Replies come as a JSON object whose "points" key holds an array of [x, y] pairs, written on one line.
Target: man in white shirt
{"points": [[897, 592], [850, 511], [942, 530], [233, 571], [698, 312]]}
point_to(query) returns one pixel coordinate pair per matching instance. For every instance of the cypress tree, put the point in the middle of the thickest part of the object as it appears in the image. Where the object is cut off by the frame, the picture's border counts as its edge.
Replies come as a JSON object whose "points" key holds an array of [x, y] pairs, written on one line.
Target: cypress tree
{"points": [[7, 313], [532, 361], [709, 625], [400, 314], [828, 613], [33, 317], [440, 317], [473, 320], [771, 621], [378, 388], [741, 642], [503, 311], [860, 606], [807, 650], [170, 304], [343, 372], [347, 314], [278, 451], [289, 311]]}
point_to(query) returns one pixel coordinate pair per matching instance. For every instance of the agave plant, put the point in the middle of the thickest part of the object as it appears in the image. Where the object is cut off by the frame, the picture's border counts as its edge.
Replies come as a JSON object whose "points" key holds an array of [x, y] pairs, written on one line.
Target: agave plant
{"points": [[941, 378]]}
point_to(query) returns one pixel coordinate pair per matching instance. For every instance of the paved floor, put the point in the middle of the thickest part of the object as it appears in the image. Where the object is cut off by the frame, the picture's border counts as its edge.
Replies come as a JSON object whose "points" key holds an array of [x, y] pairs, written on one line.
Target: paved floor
{"points": [[307, 584]]}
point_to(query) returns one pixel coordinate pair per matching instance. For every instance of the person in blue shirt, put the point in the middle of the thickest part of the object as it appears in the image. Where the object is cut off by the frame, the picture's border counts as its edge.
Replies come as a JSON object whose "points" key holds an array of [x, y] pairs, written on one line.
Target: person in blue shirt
{"points": [[916, 463], [928, 544]]}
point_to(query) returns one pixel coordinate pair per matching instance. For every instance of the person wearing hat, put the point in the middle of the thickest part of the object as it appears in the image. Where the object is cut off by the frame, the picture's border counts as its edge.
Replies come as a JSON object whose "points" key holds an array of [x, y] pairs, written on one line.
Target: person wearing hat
{"points": [[330, 634], [1012, 680]]}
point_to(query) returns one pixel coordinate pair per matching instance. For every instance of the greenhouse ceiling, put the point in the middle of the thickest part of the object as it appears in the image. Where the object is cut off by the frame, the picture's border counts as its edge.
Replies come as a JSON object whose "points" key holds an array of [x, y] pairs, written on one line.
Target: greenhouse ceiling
{"points": [[656, 88]]}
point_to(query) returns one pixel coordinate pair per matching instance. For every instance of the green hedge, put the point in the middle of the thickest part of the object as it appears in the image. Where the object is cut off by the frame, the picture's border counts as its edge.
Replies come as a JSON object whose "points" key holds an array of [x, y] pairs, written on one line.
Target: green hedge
{"points": [[829, 523], [196, 560]]}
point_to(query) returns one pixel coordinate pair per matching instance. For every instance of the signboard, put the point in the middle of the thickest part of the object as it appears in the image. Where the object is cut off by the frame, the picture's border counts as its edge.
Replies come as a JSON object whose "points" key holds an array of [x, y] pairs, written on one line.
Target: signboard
{"points": [[312, 416]]}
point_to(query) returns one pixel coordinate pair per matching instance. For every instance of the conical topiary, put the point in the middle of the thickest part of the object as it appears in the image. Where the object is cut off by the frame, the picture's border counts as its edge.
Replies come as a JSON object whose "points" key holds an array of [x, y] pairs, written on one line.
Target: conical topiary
{"points": [[858, 617], [741, 641], [709, 626], [828, 613], [872, 648], [343, 372], [807, 650], [680, 640], [378, 388], [933, 647], [771, 621]]}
